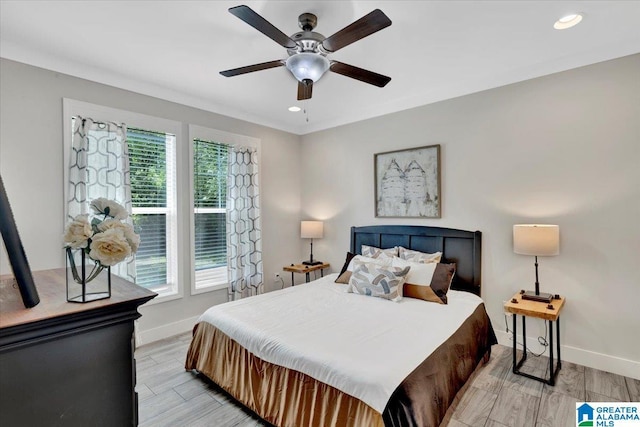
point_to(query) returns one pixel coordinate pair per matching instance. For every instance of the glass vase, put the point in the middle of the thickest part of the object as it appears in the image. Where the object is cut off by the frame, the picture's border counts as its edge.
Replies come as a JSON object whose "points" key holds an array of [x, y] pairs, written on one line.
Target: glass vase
{"points": [[87, 280]]}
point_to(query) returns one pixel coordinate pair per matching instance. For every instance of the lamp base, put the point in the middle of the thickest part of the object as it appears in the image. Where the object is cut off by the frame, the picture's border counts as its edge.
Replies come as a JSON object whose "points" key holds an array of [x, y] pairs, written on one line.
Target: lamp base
{"points": [[542, 297], [311, 262]]}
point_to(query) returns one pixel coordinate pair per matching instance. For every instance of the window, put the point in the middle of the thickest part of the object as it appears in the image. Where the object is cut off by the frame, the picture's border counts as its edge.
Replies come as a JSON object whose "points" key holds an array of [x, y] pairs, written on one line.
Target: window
{"points": [[161, 163], [152, 144], [152, 185], [209, 210], [209, 165]]}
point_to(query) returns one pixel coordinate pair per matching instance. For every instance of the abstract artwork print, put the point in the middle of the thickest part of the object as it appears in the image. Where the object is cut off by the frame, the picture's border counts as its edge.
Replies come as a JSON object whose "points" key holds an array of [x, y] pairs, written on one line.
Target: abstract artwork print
{"points": [[408, 183]]}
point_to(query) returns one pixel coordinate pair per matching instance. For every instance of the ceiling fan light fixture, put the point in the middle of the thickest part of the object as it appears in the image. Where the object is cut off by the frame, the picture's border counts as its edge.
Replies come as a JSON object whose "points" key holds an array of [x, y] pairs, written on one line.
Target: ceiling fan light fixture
{"points": [[305, 65], [568, 21]]}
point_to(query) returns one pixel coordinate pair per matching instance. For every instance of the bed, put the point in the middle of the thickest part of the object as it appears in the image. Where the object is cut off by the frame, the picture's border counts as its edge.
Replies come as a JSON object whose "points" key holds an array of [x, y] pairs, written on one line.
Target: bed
{"points": [[315, 355]]}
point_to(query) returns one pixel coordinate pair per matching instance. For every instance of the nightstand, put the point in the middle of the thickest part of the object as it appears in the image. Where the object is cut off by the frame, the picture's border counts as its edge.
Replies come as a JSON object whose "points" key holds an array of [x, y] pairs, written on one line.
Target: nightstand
{"points": [[540, 310], [306, 269]]}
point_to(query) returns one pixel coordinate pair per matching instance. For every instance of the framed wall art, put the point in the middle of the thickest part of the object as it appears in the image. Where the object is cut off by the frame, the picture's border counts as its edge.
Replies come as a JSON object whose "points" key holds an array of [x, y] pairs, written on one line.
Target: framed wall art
{"points": [[408, 183]]}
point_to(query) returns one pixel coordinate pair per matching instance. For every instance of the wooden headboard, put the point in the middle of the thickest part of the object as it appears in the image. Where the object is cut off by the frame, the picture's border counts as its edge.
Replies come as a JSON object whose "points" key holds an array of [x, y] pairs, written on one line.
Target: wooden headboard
{"points": [[459, 246]]}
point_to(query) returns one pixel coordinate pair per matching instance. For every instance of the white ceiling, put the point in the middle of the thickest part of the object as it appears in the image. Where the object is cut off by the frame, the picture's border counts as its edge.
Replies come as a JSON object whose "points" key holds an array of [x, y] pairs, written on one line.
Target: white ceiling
{"points": [[434, 50]]}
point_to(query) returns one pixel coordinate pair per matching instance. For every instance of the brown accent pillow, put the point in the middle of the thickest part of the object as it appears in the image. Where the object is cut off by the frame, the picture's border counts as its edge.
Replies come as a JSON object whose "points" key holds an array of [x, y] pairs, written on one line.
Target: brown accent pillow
{"points": [[437, 290], [441, 280], [345, 275], [344, 278], [421, 292]]}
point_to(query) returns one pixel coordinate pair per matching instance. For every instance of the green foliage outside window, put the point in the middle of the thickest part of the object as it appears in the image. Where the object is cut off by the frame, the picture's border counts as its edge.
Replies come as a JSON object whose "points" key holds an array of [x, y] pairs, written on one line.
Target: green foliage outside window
{"points": [[210, 174], [148, 172], [148, 168], [210, 191]]}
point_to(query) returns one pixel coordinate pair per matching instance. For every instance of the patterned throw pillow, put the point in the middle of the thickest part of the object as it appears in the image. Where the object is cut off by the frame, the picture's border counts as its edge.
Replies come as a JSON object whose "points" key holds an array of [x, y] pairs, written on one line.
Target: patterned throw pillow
{"points": [[416, 256], [346, 275], [377, 280], [373, 252]]}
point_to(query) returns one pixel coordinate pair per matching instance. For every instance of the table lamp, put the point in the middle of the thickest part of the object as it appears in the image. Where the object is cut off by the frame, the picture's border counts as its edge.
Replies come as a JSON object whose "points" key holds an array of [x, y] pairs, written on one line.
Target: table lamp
{"points": [[537, 240], [311, 230]]}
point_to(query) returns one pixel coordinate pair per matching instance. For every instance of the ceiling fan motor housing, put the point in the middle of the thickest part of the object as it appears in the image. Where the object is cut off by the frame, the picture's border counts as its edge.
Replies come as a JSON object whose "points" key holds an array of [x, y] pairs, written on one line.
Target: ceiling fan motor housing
{"points": [[307, 21], [307, 41]]}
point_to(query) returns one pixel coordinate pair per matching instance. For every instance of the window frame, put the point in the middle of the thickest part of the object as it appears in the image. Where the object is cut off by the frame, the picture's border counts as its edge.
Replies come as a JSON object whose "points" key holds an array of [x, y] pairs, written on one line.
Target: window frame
{"points": [[221, 137], [175, 246]]}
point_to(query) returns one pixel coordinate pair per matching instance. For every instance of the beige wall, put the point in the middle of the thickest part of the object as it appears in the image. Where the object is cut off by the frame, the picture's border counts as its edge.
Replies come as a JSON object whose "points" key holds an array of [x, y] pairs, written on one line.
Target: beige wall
{"points": [[31, 167], [561, 149]]}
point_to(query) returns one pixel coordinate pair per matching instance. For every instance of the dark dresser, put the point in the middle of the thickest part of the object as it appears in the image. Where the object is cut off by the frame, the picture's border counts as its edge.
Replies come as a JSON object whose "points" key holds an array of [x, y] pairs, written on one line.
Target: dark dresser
{"points": [[68, 364]]}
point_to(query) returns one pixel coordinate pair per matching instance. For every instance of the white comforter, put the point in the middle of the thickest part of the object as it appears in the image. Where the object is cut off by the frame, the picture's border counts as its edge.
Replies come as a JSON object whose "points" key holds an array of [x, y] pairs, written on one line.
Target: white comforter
{"points": [[363, 346]]}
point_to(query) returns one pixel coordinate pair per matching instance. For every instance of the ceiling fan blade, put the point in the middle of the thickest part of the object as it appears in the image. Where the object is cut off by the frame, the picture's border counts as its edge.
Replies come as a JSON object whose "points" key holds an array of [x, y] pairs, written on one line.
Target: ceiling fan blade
{"points": [[359, 74], [252, 68], [363, 27], [304, 89], [249, 16]]}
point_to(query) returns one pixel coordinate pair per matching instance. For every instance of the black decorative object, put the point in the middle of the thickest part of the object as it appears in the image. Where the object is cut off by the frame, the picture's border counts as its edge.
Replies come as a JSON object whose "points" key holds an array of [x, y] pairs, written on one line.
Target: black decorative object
{"points": [[15, 251], [81, 272]]}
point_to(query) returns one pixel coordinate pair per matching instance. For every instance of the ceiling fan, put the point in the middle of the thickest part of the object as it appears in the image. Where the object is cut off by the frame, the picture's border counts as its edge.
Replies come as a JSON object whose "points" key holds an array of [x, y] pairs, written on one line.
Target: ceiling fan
{"points": [[308, 50]]}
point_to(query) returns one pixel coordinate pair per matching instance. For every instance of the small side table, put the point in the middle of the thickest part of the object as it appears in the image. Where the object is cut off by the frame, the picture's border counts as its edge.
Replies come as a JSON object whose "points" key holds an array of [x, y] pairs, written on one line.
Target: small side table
{"points": [[539, 310], [306, 269]]}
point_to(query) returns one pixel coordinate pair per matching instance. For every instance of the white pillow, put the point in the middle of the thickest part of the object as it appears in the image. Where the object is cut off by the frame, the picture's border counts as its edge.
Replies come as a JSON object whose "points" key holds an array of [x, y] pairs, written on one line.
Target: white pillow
{"points": [[416, 256], [373, 252], [420, 273]]}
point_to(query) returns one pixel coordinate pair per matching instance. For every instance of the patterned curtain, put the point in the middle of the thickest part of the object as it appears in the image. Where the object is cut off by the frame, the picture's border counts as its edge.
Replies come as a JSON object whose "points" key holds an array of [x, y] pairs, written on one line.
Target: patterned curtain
{"points": [[99, 167], [244, 244]]}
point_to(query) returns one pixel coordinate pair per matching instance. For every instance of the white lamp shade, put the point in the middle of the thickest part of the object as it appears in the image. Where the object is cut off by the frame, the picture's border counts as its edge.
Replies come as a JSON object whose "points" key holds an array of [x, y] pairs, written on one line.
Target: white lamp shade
{"points": [[311, 229], [536, 239]]}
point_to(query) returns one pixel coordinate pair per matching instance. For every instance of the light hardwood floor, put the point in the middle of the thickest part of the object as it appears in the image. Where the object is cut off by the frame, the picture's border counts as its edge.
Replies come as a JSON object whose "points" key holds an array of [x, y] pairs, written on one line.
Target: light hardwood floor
{"points": [[170, 396]]}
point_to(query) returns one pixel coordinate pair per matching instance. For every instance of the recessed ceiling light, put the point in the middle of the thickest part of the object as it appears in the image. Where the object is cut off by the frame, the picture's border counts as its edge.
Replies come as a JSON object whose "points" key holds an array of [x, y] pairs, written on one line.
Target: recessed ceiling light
{"points": [[567, 21], [294, 109]]}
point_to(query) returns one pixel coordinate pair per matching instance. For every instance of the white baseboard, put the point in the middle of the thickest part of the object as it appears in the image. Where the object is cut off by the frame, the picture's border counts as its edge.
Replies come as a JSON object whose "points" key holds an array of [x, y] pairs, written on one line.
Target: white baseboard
{"points": [[164, 331], [591, 359]]}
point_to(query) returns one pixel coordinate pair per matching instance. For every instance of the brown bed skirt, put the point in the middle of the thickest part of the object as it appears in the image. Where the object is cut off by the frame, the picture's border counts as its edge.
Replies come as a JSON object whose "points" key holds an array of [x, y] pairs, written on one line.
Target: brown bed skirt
{"points": [[281, 396], [289, 398]]}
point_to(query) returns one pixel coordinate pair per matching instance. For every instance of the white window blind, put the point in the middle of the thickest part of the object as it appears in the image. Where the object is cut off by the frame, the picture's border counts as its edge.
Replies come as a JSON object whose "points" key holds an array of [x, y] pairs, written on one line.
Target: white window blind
{"points": [[152, 187], [210, 200]]}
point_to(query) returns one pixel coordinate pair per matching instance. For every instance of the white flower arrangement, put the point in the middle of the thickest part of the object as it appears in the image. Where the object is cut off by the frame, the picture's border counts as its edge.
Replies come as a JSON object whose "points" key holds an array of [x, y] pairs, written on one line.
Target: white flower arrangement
{"points": [[106, 239]]}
